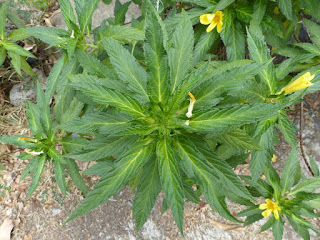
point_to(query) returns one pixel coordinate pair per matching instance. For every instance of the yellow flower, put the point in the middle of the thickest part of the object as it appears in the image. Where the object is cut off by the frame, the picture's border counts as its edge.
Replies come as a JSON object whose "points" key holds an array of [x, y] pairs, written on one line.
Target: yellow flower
{"points": [[214, 20], [271, 207], [190, 108], [302, 82], [274, 158]]}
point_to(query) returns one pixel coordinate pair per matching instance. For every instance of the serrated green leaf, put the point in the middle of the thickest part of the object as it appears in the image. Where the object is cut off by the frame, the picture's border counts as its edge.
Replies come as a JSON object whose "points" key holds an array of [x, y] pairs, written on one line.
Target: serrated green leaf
{"points": [[260, 53], [148, 190], [3, 16], [312, 6], [287, 178], [15, 61], [239, 139], [125, 168], [67, 13], [180, 53], [260, 157], [190, 82], [244, 13], [79, 6], [85, 16], [100, 169], [105, 96], [53, 78], [36, 178], [106, 82], [155, 58], [288, 65], [198, 168], [73, 171], [223, 4], [313, 30], [314, 167], [277, 229], [56, 156], [287, 128], [261, 186], [72, 144], [171, 180], [298, 225], [203, 45], [49, 35], [120, 11], [225, 80], [18, 34], [73, 111], [233, 38], [223, 119], [29, 168], [26, 67], [3, 55], [285, 7], [45, 116], [225, 173], [33, 117], [259, 10], [92, 65], [123, 33], [103, 147], [308, 185], [60, 176], [98, 122], [128, 69], [249, 211]]}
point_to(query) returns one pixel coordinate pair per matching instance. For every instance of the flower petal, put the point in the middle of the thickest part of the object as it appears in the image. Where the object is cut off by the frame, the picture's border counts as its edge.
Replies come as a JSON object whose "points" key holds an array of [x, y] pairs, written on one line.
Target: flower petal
{"points": [[206, 18], [263, 206], [266, 213], [211, 26], [276, 214], [219, 27]]}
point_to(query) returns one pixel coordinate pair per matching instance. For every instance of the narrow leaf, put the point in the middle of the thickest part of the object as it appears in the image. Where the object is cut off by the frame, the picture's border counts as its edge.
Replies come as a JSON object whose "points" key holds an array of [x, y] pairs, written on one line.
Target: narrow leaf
{"points": [[180, 53], [125, 168], [128, 69], [287, 178], [73, 171], [233, 38], [155, 58], [36, 178], [53, 77], [171, 180], [60, 176], [148, 190], [85, 16], [104, 96]]}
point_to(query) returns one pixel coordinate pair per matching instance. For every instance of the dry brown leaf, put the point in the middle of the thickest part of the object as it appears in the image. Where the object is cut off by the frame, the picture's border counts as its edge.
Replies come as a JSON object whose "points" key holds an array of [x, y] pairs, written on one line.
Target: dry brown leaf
{"points": [[225, 227], [5, 229]]}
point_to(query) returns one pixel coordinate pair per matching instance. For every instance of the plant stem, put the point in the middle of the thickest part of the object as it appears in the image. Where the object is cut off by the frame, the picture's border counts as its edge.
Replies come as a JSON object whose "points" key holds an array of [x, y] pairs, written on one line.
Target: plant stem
{"points": [[301, 140]]}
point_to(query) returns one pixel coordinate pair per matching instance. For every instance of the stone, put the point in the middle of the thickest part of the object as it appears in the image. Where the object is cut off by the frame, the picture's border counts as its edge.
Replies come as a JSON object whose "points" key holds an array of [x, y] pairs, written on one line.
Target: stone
{"points": [[103, 12], [26, 90]]}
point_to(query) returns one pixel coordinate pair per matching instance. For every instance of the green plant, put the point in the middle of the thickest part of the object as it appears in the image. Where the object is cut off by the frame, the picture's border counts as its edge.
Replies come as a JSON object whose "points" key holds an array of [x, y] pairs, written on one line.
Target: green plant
{"points": [[38, 4], [8, 46], [152, 109]]}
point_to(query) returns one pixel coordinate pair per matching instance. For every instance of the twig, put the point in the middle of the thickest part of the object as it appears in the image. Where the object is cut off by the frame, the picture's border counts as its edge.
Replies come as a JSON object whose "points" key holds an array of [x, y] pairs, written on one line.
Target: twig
{"points": [[301, 140]]}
